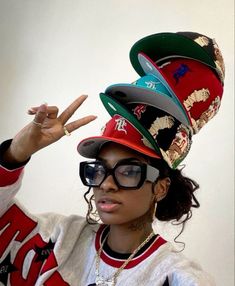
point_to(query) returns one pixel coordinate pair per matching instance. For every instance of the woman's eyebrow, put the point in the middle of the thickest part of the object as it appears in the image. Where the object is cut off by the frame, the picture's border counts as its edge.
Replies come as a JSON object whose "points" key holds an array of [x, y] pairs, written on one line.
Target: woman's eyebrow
{"points": [[131, 159]]}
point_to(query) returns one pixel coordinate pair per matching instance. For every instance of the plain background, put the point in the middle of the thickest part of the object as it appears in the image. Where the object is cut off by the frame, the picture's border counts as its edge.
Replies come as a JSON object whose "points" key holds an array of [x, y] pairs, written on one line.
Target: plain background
{"points": [[52, 51]]}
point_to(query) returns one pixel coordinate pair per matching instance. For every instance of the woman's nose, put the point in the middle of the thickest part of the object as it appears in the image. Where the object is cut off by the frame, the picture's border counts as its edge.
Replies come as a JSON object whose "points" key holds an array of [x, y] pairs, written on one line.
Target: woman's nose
{"points": [[109, 184]]}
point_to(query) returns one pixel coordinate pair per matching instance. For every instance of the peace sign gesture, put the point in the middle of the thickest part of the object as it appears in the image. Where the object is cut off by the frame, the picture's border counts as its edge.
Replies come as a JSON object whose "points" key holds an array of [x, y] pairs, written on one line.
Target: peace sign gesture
{"points": [[46, 128]]}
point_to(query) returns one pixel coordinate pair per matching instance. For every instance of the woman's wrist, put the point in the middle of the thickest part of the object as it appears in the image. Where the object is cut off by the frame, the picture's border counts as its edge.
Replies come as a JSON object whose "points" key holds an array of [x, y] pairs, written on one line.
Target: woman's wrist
{"points": [[11, 159]]}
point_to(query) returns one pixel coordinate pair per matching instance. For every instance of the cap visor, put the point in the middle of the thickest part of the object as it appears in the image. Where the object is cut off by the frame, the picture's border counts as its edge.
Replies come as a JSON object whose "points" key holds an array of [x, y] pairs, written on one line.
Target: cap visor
{"points": [[90, 147], [162, 45], [127, 93], [151, 68]]}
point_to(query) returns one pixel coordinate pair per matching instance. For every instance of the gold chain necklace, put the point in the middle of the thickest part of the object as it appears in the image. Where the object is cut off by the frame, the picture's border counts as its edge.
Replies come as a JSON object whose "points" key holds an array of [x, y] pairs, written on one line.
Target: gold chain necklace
{"points": [[111, 281]]}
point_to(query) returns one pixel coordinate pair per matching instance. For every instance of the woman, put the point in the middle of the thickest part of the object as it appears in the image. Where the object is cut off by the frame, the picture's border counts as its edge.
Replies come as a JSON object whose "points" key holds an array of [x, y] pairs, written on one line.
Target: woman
{"points": [[131, 185]]}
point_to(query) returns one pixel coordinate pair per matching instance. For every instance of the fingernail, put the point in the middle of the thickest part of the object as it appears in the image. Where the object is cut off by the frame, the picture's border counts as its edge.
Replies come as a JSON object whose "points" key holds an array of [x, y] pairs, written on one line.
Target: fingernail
{"points": [[31, 111]]}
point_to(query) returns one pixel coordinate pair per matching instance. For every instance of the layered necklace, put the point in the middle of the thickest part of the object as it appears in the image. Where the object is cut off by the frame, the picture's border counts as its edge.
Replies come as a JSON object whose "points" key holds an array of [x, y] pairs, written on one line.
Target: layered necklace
{"points": [[111, 281]]}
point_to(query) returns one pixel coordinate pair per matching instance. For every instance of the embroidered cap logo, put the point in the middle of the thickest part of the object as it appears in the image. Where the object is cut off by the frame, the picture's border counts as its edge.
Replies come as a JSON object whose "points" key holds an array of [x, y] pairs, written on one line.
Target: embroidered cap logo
{"points": [[180, 72], [121, 124], [138, 110], [151, 84]]}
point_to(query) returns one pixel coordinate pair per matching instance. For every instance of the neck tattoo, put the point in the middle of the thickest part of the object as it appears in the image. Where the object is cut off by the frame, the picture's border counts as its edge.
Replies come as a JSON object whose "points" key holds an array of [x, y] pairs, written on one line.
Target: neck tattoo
{"points": [[112, 280]]}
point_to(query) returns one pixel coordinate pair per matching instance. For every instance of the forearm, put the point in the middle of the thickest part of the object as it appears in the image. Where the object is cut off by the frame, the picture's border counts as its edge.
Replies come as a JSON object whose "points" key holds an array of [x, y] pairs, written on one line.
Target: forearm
{"points": [[9, 159], [10, 168]]}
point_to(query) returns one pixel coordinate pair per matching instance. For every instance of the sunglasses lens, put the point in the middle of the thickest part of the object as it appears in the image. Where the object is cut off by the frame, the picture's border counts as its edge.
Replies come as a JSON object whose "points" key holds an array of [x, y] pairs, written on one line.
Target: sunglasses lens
{"points": [[128, 176], [94, 174]]}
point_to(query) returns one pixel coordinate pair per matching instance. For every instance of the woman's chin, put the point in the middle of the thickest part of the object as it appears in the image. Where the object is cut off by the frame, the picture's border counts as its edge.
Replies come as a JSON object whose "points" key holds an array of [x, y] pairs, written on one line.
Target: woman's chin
{"points": [[112, 219]]}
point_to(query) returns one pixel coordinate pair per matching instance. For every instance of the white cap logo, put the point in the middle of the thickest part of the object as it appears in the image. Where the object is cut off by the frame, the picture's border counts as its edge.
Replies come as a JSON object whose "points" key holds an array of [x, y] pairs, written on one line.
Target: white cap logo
{"points": [[121, 124]]}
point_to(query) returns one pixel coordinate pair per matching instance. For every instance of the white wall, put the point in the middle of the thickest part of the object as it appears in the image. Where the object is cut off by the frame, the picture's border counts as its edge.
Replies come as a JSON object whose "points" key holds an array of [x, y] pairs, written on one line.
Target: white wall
{"points": [[54, 50]]}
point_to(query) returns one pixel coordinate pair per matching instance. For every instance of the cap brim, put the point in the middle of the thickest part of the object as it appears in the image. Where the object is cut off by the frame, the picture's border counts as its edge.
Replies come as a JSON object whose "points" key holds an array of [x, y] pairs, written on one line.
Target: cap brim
{"points": [[89, 147], [150, 67], [162, 45], [127, 93]]}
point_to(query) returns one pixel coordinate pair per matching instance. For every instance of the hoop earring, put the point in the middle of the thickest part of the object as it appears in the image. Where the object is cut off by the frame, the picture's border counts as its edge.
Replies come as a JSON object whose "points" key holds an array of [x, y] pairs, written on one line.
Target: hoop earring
{"points": [[154, 209]]}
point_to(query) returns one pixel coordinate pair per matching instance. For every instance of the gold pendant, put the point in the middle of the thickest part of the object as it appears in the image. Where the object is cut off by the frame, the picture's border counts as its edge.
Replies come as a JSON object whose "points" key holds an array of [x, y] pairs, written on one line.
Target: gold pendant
{"points": [[102, 282]]}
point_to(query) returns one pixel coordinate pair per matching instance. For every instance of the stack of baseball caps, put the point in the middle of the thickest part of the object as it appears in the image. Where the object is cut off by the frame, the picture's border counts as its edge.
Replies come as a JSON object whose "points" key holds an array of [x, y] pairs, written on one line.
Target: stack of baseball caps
{"points": [[178, 92]]}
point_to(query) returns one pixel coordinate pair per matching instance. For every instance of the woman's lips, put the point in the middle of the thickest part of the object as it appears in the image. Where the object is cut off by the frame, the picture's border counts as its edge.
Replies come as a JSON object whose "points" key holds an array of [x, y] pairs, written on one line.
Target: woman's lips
{"points": [[108, 204]]}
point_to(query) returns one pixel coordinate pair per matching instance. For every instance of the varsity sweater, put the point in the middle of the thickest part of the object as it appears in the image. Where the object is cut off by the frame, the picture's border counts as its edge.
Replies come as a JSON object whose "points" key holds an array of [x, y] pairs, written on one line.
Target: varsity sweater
{"points": [[56, 250]]}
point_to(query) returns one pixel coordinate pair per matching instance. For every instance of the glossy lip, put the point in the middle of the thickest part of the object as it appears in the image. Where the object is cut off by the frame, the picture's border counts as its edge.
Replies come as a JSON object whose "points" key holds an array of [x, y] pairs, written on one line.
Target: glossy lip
{"points": [[107, 204], [109, 200]]}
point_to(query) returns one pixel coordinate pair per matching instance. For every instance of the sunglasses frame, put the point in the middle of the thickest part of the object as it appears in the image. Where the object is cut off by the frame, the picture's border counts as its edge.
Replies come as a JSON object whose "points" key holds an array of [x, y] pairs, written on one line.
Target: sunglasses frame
{"points": [[148, 173]]}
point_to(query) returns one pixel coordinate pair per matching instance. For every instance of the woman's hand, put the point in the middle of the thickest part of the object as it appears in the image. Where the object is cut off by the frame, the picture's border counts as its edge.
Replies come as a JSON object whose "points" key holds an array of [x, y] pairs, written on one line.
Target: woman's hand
{"points": [[46, 128]]}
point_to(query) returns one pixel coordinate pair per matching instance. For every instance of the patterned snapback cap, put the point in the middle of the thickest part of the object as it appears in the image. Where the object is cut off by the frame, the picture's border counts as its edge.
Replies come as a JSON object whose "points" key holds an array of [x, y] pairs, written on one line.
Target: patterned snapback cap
{"points": [[192, 93], [169, 136], [121, 131], [162, 46]]}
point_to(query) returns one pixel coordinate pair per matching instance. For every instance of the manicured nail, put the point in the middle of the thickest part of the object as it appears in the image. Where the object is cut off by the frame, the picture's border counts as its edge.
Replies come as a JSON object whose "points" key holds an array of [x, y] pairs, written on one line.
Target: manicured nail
{"points": [[31, 111]]}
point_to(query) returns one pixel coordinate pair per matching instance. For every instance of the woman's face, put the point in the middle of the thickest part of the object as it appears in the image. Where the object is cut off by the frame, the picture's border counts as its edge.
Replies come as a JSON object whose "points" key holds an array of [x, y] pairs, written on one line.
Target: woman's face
{"points": [[118, 206]]}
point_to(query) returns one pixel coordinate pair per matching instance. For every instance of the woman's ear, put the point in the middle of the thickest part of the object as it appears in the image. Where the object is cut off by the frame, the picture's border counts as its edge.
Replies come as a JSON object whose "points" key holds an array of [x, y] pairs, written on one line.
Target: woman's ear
{"points": [[161, 188]]}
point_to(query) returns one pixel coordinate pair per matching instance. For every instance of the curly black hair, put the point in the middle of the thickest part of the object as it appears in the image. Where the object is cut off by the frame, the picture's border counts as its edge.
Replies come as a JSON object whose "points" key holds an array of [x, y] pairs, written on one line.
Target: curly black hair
{"points": [[177, 205], [180, 197]]}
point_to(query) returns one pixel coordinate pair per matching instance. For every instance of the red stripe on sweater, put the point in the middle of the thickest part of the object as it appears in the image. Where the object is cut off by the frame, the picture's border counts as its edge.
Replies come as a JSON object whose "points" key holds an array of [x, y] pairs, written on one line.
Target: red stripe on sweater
{"points": [[9, 177], [135, 261]]}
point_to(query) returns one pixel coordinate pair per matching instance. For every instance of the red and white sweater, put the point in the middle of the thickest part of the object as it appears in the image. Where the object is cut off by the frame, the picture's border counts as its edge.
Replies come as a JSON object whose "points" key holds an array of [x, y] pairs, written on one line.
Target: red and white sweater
{"points": [[55, 250]]}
